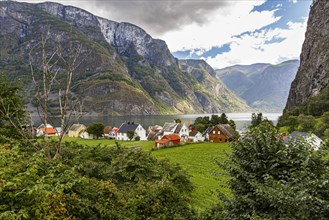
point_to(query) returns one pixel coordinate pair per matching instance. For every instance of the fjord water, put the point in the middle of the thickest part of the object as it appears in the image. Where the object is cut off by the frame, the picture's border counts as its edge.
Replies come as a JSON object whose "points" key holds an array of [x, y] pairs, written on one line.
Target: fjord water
{"points": [[242, 120]]}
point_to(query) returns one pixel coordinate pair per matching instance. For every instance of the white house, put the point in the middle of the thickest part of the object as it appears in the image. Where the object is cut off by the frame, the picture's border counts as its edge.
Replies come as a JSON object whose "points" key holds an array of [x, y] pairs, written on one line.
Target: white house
{"points": [[195, 136], [86, 135], [175, 128], [131, 126]]}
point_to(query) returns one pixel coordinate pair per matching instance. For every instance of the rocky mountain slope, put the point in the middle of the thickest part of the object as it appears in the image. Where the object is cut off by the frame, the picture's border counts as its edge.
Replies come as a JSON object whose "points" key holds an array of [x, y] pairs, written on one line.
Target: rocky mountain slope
{"points": [[264, 87], [313, 74], [123, 70]]}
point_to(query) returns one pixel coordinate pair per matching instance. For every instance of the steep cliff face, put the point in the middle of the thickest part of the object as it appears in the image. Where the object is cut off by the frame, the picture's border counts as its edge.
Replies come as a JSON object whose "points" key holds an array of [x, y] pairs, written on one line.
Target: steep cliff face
{"points": [[313, 74], [123, 69]]}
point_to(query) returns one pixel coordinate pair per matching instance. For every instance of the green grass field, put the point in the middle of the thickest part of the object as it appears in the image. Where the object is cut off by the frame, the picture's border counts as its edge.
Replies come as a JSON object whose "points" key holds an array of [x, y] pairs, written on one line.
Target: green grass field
{"points": [[198, 159]]}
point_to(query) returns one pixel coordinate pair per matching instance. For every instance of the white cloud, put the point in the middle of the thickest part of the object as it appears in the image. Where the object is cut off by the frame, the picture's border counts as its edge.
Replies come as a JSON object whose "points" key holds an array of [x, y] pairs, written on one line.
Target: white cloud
{"points": [[225, 23], [252, 48]]}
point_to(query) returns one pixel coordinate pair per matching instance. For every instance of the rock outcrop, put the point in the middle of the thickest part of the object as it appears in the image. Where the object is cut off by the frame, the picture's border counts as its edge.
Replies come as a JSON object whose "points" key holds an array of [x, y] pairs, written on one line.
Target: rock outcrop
{"points": [[313, 73]]}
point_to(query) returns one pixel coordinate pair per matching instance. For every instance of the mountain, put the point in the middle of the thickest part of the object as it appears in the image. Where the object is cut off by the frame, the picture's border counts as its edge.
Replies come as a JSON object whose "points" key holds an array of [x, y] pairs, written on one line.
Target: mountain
{"points": [[123, 69], [263, 86], [313, 74]]}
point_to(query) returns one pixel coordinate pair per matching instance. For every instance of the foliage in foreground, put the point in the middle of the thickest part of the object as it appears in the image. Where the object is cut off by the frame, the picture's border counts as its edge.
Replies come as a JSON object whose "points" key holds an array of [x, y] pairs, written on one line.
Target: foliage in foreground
{"points": [[273, 181], [91, 183]]}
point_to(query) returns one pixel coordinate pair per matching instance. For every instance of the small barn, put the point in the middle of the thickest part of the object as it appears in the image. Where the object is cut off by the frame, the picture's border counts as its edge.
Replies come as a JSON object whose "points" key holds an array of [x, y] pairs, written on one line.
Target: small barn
{"points": [[167, 141]]}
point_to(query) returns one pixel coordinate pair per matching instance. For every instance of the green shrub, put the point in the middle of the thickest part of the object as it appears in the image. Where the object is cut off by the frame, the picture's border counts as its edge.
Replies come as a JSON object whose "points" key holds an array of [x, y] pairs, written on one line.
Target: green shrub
{"points": [[91, 183]]}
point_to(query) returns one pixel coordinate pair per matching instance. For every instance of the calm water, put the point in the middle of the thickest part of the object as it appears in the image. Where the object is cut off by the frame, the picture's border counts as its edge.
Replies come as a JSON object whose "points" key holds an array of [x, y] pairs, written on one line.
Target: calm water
{"points": [[241, 119]]}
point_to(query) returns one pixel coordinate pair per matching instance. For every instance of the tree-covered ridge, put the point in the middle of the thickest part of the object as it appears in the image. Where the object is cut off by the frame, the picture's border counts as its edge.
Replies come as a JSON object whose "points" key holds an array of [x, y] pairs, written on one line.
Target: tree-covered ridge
{"points": [[311, 116]]}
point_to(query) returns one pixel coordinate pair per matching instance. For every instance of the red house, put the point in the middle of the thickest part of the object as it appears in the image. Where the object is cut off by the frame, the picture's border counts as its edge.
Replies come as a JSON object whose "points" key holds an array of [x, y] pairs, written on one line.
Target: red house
{"points": [[167, 141], [221, 133]]}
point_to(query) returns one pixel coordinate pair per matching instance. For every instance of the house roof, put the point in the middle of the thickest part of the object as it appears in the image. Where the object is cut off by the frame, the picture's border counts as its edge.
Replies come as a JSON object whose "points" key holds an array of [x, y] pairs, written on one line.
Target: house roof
{"points": [[193, 133], [75, 127], [169, 127], [48, 130], [108, 129], [299, 133], [153, 136], [226, 129], [172, 137], [155, 128], [43, 125], [127, 127], [168, 137], [207, 131], [178, 128]]}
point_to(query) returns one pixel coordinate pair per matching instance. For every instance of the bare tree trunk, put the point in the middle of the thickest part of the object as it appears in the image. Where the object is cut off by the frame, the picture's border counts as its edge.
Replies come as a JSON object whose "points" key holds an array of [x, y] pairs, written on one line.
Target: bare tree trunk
{"points": [[68, 59]]}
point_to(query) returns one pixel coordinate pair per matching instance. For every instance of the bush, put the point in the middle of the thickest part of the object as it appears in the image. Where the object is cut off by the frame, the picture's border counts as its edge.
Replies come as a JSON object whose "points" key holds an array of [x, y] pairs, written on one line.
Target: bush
{"points": [[91, 183], [270, 180]]}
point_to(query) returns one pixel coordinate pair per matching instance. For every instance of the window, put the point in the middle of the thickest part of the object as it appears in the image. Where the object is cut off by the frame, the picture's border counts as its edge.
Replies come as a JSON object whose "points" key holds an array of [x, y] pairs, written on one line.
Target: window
{"points": [[214, 132]]}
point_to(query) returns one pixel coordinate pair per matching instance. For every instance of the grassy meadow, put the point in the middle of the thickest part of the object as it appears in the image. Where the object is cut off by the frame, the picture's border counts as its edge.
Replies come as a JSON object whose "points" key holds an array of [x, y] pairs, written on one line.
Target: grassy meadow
{"points": [[198, 159]]}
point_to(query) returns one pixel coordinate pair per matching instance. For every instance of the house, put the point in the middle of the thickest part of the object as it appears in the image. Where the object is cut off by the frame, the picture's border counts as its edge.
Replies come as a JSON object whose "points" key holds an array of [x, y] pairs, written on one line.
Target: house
{"points": [[86, 135], [310, 138], [107, 130], [110, 132], [155, 128], [131, 126], [76, 129], [195, 136], [48, 130], [221, 133], [176, 128], [152, 136], [205, 134], [168, 140]]}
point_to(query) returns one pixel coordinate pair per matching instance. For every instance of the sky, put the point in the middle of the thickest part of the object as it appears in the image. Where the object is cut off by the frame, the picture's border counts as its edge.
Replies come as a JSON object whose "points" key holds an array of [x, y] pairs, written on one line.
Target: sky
{"points": [[222, 32]]}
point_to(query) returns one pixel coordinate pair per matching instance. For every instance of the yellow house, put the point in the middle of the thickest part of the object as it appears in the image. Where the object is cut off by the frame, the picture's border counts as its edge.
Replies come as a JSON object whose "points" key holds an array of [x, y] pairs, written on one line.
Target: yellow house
{"points": [[76, 130]]}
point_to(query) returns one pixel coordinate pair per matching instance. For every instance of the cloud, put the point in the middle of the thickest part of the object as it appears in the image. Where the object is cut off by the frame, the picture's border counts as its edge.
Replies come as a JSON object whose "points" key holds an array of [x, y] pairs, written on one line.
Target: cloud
{"points": [[155, 16], [160, 16], [255, 47], [224, 24]]}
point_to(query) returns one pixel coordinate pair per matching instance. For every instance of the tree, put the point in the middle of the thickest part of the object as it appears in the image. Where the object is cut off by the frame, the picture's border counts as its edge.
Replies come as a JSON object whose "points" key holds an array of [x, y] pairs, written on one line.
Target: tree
{"points": [[178, 120], [270, 180], [57, 66], [232, 124], [130, 134], [202, 123], [215, 120], [306, 122], [223, 119], [256, 119], [13, 119], [96, 129]]}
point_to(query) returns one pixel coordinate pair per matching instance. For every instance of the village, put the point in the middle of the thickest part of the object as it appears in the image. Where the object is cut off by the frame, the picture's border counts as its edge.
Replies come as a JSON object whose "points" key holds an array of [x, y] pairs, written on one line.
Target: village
{"points": [[170, 134]]}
